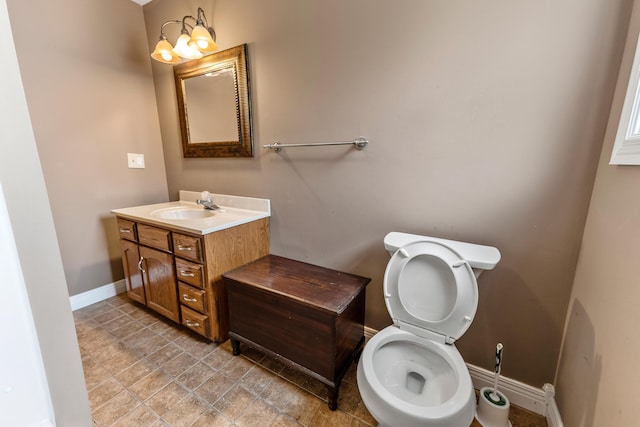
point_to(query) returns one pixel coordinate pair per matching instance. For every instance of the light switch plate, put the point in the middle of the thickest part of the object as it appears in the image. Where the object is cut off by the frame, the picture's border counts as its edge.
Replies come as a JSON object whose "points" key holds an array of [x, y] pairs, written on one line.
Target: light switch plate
{"points": [[135, 161]]}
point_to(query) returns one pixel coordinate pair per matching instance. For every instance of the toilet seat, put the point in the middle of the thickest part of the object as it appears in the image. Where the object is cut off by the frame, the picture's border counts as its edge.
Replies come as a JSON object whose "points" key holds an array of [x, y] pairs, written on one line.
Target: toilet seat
{"points": [[430, 291]]}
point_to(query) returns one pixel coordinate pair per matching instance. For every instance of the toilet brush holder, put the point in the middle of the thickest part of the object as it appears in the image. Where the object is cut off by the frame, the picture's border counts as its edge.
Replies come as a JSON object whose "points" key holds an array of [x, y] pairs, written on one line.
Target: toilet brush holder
{"points": [[493, 408]]}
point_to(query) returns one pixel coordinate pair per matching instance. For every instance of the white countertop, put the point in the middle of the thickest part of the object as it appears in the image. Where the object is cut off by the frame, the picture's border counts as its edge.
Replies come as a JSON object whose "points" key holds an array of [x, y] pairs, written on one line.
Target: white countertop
{"points": [[235, 210]]}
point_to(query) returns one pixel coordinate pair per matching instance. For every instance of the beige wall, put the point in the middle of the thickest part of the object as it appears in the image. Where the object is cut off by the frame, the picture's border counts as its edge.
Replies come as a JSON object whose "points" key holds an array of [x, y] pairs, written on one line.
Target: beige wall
{"points": [[23, 185], [485, 120], [89, 89], [598, 368]]}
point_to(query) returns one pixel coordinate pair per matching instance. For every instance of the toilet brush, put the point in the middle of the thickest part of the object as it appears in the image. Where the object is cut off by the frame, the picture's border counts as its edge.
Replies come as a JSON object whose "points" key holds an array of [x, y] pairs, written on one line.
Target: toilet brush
{"points": [[494, 396], [493, 406]]}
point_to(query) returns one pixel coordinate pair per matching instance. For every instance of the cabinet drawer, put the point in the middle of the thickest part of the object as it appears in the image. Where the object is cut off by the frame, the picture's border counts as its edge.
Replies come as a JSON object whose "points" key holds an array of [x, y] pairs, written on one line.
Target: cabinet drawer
{"points": [[154, 237], [195, 321], [188, 247], [190, 272], [127, 230], [193, 297]]}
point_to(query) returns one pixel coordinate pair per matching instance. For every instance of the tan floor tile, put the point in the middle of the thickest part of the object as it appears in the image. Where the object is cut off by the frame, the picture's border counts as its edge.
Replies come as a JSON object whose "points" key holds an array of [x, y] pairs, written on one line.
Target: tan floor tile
{"points": [[119, 361], [355, 422], [234, 402], [94, 374], [139, 417], [303, 407], [212, 418], [280, 392], [199, 347], [150, 385], [135, 373], [257, 415], [117, 323], [185, 412], [283, 420], [236, 368], [179, 364], [328, 418], [218, 358], [109, 350], [108, 316], [214, 388], [164, 354], [256, 379], [304, 381], [244, 388], [193, 377], [153, 344], [123, 403], [104, 392], [166, 398], [125, 330], [349, 398]]}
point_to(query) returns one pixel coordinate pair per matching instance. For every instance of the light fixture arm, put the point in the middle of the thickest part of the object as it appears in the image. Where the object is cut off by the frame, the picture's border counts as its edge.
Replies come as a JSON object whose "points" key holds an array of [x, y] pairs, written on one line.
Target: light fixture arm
{"points": [[202, 21], [163, 36]]}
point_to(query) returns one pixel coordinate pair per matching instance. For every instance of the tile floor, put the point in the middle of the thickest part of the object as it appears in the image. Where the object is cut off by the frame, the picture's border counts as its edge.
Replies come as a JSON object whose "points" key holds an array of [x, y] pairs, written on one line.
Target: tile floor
{"points": [[143, 370]]}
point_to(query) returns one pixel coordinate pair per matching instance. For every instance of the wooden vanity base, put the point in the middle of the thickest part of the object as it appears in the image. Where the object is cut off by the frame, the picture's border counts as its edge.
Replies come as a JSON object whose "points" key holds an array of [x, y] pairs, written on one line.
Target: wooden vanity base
{"points": [[308, 317]]}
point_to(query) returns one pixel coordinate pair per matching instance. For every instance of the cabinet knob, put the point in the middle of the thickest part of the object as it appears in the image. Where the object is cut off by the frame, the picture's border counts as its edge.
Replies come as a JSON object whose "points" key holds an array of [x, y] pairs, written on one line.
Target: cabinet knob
{"points": [[185, 273], [186, 297]]}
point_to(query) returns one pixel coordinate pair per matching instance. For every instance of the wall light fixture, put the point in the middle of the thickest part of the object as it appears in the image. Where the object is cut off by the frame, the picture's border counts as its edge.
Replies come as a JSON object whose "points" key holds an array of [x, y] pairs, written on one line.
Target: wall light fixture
{"points": [[194, 41]]}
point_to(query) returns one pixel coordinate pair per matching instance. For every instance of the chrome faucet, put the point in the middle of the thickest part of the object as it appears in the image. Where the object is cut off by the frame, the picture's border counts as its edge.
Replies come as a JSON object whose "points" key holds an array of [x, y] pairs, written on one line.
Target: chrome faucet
{"points": [[208, 204], [207, 201]]}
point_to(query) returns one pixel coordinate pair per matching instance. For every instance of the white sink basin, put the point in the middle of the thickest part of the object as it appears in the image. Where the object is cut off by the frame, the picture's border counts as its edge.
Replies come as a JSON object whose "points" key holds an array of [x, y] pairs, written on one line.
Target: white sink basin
{"points": [[183, 213]]}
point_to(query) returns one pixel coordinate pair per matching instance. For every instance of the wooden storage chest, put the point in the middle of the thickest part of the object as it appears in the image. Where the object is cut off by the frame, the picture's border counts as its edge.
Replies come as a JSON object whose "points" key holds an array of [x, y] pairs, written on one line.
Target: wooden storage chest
{"points": [[309, 317]]}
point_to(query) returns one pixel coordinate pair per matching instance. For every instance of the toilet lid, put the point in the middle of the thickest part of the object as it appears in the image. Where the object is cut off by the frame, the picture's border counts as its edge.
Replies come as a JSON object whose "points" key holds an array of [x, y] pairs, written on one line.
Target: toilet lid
{"points": [[429, 287]]}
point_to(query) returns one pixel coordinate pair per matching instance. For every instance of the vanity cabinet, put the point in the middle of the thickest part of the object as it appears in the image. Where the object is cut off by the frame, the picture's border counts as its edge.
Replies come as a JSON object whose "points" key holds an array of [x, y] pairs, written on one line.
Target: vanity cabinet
{"points": [[160, 282], [132, 273], [149, 268], [179, 274]]}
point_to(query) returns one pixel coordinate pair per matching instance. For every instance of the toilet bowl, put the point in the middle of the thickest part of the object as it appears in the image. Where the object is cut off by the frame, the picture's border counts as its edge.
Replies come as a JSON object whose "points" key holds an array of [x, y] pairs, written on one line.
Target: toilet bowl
{"points": [[410, 373]]}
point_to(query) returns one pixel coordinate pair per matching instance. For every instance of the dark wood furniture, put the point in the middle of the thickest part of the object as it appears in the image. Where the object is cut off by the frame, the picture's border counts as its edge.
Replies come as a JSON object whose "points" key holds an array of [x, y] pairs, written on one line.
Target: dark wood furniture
{"points": [[309, 317]]}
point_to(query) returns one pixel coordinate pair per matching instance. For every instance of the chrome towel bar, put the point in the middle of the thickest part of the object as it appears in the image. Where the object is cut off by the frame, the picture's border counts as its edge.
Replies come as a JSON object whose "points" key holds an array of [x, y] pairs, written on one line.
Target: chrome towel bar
{"points": [[360, 143]]}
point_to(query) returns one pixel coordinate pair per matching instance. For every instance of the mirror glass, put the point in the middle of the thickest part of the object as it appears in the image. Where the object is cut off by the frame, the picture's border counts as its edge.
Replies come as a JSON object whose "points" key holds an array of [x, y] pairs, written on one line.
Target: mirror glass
{"points": [[214, 105]]}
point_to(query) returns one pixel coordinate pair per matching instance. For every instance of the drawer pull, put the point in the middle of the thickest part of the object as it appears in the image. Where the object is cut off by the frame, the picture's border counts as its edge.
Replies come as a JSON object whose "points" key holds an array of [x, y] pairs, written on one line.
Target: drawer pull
{"points": [[140, 265], [125, 230], [193, 324], [186, 298], [185, 248], [185, 273]]}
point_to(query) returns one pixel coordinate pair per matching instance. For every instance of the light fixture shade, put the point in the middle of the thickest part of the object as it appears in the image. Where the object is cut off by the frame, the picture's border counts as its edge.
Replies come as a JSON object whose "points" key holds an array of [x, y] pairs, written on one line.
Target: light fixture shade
{"points": [[200, 35], [164, 53], [184, 49]]}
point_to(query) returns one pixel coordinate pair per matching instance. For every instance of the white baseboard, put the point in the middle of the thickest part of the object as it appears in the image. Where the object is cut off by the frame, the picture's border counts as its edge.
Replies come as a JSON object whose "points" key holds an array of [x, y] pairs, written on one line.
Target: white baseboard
{"points": [[98, 294], [537, 400]]}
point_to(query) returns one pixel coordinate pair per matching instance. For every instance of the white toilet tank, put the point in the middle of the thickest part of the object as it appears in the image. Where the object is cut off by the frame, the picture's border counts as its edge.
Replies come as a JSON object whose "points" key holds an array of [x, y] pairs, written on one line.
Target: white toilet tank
{"points": [[479, 257]]}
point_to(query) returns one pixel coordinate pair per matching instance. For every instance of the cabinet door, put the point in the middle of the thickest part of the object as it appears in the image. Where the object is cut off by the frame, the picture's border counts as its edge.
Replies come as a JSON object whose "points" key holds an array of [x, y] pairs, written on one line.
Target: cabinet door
{"points": [[160, 282], [132, 274]]}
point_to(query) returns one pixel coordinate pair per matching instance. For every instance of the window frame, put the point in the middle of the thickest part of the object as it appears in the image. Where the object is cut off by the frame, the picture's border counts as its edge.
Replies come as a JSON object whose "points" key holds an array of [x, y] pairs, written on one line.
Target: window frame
{"points": [[626, 148]]}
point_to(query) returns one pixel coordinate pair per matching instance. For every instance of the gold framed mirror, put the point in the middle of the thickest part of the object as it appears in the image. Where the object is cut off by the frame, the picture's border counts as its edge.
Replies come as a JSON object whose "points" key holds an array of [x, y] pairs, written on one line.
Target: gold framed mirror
{"points": [[214, 105]]}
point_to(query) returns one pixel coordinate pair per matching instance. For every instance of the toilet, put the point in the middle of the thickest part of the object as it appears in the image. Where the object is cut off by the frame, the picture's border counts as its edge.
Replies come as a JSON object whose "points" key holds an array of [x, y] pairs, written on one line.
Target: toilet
{"points": [[410, 373]]}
